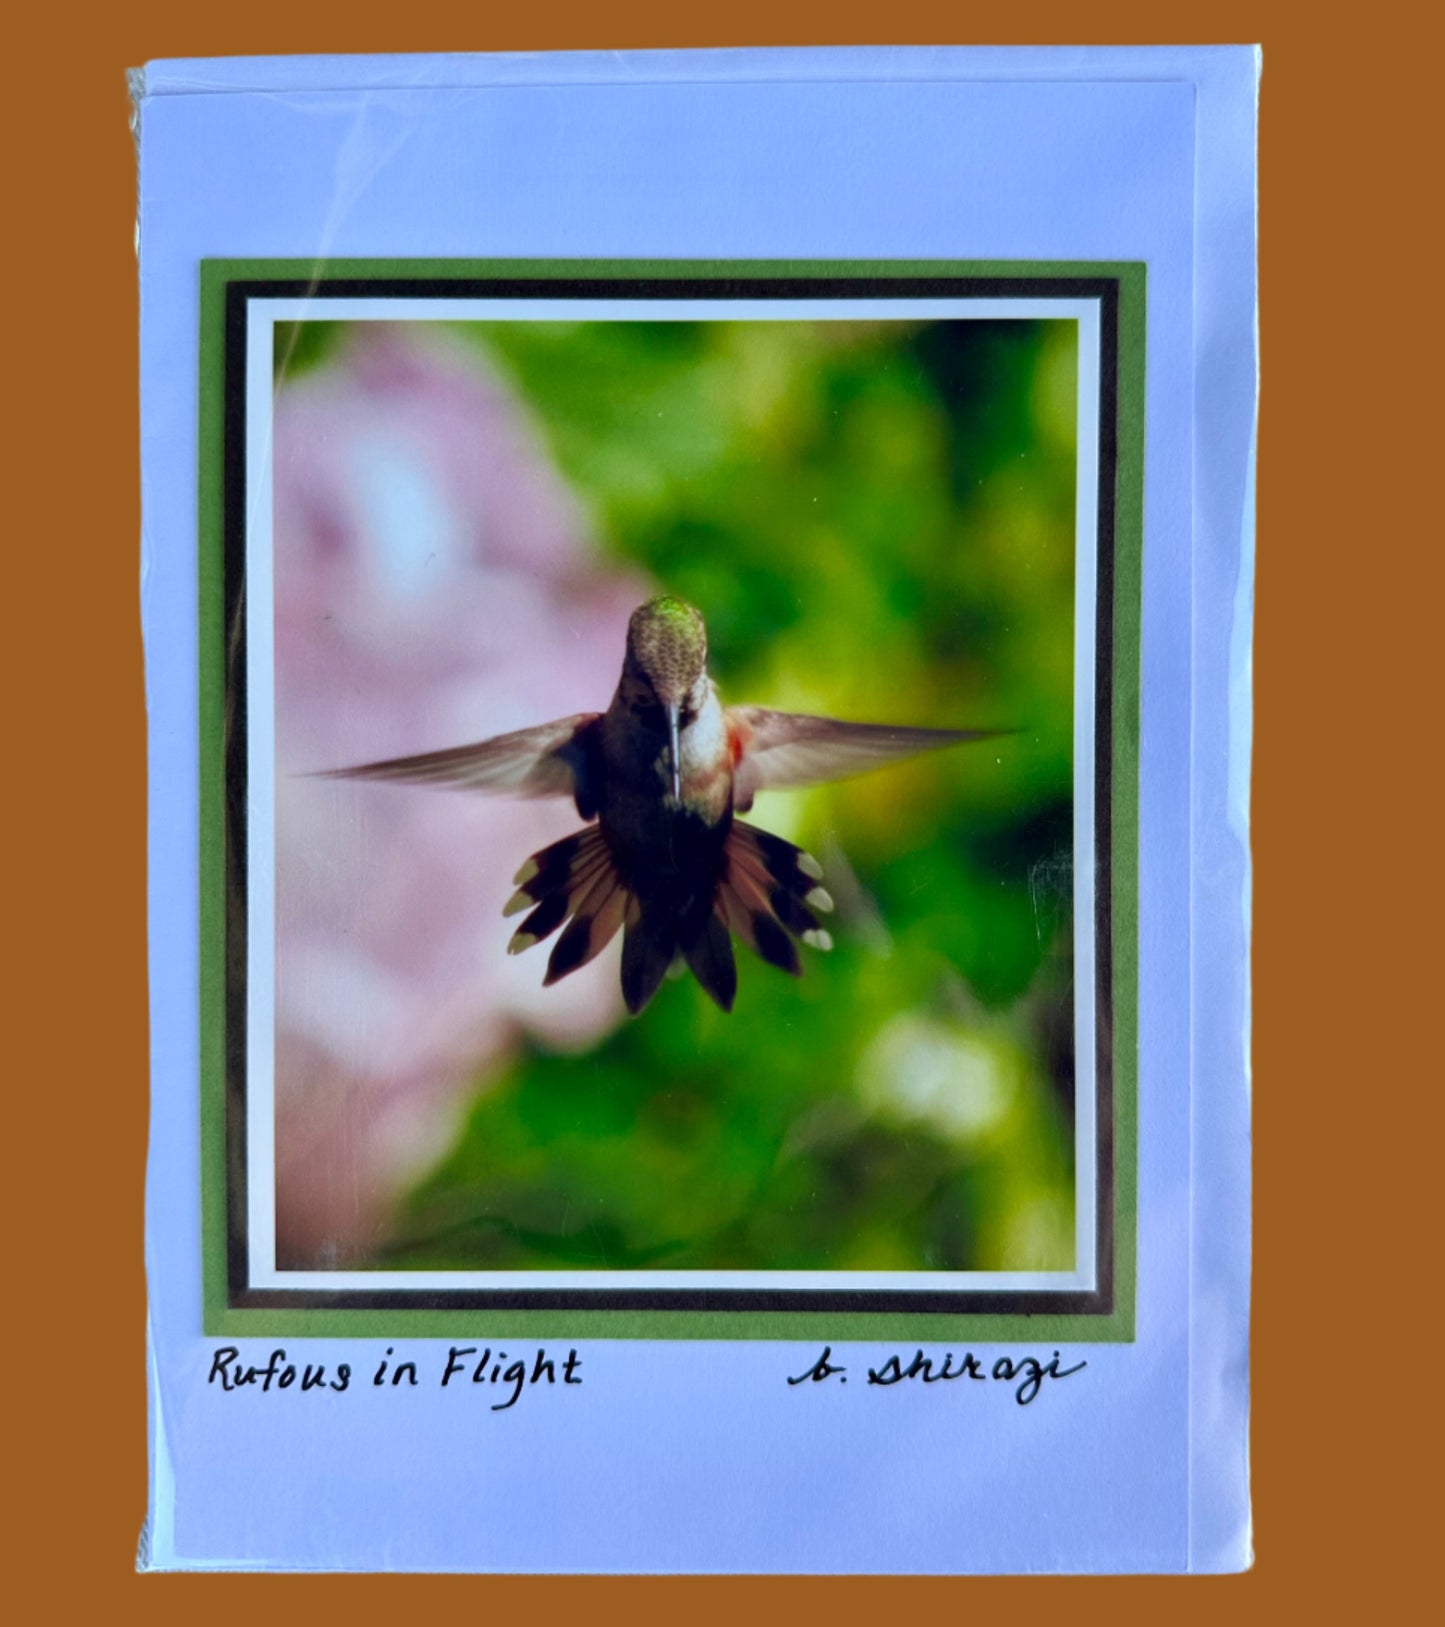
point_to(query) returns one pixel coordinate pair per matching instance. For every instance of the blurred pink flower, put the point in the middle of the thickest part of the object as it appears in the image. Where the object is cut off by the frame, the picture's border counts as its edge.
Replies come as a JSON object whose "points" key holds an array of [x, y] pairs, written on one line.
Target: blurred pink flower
{"points": [[434, 583]]}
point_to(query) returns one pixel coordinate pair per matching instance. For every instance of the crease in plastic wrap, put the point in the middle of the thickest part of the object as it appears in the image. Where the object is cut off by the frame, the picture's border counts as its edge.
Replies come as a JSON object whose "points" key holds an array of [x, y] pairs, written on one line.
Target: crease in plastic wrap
{"points": [[698, 616]]}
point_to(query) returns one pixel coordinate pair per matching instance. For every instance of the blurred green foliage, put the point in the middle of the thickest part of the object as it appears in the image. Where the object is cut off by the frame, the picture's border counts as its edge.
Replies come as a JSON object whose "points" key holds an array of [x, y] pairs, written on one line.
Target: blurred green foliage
{"points": [[877, 521]]}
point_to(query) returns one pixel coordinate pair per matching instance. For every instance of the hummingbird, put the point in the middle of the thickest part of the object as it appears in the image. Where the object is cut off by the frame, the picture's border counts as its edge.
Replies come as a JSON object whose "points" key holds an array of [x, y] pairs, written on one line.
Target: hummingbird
{"points": [[660, 778]]}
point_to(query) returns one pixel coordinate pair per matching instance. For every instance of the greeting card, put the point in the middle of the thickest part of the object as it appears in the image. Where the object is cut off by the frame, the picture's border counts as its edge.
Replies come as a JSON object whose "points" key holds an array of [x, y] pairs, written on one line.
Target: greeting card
{"points": [[697, 618]]}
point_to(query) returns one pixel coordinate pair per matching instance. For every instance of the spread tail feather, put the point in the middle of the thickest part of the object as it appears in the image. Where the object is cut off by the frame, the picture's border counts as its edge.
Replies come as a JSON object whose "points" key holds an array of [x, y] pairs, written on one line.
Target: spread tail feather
{"points": [[770, 894], [767, 894], [712, 963], [649, 943], [594, 925], [574, 877]]}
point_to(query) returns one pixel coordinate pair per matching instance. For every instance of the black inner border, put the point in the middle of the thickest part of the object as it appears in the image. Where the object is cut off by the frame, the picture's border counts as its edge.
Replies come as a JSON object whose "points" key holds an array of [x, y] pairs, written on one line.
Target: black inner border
{"points": [[240, 1295]]}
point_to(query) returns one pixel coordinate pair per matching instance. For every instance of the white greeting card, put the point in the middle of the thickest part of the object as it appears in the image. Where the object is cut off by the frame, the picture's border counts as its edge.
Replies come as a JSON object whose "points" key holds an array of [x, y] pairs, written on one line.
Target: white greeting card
{"points": [[697, 616]]}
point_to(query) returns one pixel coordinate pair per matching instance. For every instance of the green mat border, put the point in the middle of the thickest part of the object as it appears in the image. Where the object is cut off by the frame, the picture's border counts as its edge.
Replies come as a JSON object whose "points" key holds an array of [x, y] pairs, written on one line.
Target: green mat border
{"points": [[220, 1318]]}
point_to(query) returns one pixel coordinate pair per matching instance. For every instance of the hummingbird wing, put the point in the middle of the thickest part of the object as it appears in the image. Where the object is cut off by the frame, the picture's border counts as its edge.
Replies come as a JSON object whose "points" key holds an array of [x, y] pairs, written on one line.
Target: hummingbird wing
{"points": [[549, 760], [775, 749]]}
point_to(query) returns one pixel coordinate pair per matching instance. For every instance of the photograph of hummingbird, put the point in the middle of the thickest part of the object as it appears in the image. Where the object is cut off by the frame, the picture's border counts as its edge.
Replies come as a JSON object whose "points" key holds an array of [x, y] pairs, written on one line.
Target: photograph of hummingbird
{"points": [[660, 777]]}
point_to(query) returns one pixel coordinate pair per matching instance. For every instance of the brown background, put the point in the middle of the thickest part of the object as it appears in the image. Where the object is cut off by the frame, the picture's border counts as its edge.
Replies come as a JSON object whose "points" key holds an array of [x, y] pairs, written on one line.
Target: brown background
{"points": [[1347, 664]]}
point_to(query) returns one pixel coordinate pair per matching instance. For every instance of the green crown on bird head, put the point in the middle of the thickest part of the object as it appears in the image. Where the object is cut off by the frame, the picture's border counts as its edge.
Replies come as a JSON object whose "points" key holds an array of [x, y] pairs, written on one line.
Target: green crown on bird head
{"points": [[667, 645]]}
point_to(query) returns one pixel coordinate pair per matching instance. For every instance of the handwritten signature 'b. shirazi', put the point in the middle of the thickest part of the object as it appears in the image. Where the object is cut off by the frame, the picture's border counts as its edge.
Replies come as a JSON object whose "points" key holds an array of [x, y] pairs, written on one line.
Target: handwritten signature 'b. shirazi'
{"points": [[1027, 1371]]}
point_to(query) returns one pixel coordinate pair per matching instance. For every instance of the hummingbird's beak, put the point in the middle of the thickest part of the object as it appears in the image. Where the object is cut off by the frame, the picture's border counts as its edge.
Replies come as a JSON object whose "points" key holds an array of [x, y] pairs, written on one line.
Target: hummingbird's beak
{"points": [[674, 750]]}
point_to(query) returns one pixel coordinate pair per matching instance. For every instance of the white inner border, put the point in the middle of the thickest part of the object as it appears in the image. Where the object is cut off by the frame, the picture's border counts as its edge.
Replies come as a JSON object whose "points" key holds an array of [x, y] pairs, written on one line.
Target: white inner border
{"points": [[262, 316]]}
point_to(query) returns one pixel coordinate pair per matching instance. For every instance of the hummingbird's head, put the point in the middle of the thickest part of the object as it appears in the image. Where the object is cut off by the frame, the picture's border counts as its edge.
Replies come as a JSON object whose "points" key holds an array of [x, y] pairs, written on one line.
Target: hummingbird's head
{"points": [[665, 675], [666, 652]]}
